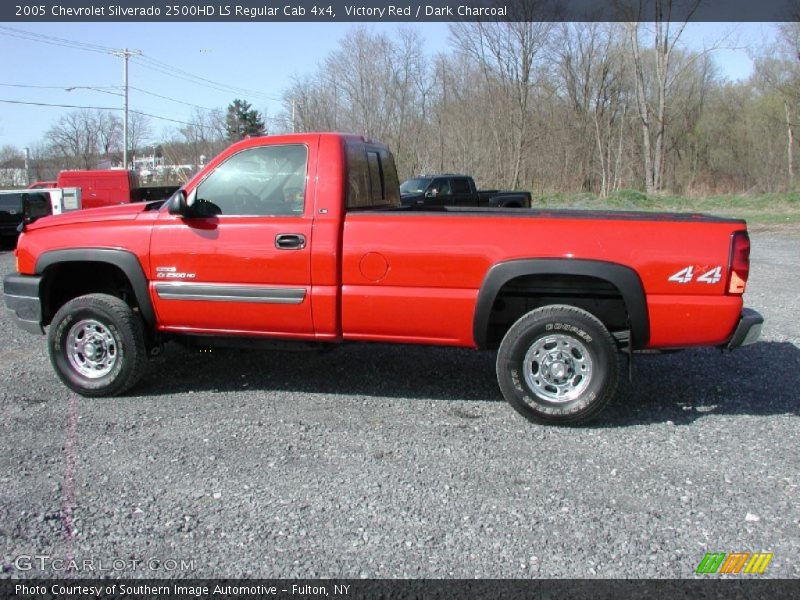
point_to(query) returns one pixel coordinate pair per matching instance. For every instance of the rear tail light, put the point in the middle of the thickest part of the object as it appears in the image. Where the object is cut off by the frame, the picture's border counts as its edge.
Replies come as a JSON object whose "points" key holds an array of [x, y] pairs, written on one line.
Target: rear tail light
{"points": [[739, 267]]}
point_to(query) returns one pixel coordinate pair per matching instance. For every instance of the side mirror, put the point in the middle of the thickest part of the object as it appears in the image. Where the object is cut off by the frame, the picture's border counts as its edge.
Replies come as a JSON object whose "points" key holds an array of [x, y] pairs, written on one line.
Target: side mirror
{"points": [[430, 194], [177, 204], [192, 207]]}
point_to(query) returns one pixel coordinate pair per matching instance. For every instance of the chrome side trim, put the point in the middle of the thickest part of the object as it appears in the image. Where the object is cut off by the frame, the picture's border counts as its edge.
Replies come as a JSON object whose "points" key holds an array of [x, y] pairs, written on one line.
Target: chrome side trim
{"points": [[229, 293]]}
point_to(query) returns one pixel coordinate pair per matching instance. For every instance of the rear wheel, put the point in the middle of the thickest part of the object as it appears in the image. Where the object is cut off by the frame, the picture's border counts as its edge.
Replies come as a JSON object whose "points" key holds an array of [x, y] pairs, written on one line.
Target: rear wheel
{"points": [[97, 345], [558, 365]]}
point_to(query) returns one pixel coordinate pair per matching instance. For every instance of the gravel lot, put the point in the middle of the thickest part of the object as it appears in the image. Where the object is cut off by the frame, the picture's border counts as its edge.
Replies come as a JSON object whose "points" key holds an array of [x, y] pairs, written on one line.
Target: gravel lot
{"points": [[385, 461]]}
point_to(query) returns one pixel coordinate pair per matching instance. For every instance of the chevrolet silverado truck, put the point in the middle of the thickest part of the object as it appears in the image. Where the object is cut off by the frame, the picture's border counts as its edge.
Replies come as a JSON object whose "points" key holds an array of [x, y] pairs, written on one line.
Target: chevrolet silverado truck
{"points": [[456, 190], [303, 238]]}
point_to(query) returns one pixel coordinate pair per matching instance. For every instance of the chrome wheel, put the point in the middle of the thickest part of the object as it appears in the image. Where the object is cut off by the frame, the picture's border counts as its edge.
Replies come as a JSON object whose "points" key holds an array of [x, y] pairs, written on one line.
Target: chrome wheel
{"points": [[557, 368], [91, 349]]}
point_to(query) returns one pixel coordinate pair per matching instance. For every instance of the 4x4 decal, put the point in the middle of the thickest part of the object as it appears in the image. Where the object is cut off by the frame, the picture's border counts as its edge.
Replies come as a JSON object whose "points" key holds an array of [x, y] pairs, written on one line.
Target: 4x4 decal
{"points": [[686, 274]]}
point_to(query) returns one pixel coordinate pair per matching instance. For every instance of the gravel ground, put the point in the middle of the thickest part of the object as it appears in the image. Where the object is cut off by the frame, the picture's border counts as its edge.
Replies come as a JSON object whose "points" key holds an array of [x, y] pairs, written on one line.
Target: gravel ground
{"points": [[387, 461]]}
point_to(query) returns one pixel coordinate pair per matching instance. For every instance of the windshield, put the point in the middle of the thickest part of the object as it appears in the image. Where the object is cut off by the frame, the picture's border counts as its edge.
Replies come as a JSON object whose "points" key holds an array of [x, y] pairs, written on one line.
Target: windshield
{"points": [[415, 186], [11, 201]]}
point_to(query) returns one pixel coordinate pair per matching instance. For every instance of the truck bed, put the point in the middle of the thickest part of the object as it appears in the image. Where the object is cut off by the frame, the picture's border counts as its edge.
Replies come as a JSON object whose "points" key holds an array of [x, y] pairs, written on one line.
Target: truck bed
{"points": [[436, 261]]}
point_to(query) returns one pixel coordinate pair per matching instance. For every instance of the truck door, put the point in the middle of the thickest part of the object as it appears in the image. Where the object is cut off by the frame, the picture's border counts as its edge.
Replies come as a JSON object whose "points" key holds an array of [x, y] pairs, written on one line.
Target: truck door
{"points": [[462, 193], [241, 262]]}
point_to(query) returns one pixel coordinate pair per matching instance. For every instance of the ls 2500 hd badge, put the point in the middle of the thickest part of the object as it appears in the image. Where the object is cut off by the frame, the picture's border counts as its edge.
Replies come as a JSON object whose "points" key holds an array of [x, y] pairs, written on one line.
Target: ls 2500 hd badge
{"points": [[172, 273]]}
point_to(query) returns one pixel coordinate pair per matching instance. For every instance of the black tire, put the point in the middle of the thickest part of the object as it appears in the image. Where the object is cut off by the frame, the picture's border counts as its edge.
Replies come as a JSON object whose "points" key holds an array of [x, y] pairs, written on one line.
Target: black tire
{"points": [[103, 328], [558, 365]]}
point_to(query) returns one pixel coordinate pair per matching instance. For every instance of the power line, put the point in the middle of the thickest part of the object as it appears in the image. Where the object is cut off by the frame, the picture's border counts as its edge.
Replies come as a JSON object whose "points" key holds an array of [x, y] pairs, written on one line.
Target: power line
{"points": [[30, 103], [62, 87], [103, 89], [166, 69], [65, 88], [52, 40], [149, 93], [138, 112], [144, 61], [179, 71]]}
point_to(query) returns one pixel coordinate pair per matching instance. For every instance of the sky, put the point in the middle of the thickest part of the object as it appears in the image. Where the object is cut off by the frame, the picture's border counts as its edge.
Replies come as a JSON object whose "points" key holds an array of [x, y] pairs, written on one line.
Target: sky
{"points": [[261, 58]]}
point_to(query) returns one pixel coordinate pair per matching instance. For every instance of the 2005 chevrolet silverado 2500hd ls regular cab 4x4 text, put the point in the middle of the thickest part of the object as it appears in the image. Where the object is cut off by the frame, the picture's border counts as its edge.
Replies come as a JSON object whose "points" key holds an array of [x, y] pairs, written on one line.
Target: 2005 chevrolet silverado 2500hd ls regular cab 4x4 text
{"points": [[303, 238]]}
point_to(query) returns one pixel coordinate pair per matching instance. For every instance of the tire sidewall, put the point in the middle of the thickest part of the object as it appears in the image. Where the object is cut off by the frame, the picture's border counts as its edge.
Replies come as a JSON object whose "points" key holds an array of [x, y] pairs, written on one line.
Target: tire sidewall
{"points": [[70, 314], [511, 362]]}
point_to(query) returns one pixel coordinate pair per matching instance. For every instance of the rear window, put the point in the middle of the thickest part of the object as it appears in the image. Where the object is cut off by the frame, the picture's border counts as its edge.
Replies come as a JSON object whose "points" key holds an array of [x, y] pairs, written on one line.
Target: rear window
{"points": [[371, 177]]}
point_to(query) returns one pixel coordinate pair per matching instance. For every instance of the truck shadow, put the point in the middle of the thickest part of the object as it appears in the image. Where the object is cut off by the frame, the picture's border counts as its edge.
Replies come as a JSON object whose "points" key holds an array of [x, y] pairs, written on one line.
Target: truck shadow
{"points": [[756, 380]]}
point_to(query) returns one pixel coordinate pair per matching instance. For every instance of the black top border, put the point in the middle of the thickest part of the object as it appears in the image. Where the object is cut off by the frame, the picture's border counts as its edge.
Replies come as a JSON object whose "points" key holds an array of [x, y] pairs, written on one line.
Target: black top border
{"points": [[355, 11]]}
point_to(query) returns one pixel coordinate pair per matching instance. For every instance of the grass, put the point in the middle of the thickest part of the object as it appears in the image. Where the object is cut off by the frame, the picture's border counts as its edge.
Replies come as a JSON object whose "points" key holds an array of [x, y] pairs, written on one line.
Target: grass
{"points": [[756, 208]]}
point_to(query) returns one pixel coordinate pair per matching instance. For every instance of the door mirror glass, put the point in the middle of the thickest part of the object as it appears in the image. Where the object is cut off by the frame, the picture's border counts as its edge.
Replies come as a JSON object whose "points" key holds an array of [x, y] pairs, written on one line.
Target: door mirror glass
{"points": [[178, 204]]}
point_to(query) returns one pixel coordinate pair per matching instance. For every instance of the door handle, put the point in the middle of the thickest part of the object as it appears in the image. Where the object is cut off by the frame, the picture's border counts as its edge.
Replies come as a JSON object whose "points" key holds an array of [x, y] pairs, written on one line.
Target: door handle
{"points": [[290, 241]]}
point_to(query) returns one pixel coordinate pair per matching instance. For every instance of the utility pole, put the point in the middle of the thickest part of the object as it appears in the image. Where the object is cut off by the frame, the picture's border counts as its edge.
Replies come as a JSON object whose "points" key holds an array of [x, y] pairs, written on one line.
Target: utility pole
{"points": [[27, 166], [293, 105], [125, 54]]}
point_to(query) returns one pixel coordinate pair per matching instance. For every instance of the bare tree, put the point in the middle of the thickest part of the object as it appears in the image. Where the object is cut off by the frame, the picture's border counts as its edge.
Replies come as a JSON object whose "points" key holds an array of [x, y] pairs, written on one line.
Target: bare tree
{"points": [[592, 79], [75, 139], [778, 69], [204, 136], [507, 54], [653, 85], [11, 157], [109, 132], [373, 84], [140, 130]]}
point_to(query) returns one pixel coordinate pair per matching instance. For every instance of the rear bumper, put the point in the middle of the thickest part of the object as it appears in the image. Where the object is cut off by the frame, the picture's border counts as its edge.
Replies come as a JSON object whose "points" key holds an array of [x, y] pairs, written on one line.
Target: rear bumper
{"points": [[747, 330], [22, 301]]}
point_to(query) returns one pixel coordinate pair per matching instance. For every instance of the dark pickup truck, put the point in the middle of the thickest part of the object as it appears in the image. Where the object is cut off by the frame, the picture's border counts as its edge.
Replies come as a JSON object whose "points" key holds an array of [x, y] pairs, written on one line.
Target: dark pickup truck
{"points": [[457, 190], [12, 205]]}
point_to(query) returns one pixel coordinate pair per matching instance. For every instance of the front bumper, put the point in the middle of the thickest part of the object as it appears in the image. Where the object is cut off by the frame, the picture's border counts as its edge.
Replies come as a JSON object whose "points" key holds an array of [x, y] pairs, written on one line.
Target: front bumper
{"points": [[22, 300], [748, 329]]}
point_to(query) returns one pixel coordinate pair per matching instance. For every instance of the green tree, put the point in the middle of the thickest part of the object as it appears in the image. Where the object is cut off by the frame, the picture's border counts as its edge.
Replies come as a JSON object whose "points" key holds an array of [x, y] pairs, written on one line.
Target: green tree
{"points": [[243, 120]]}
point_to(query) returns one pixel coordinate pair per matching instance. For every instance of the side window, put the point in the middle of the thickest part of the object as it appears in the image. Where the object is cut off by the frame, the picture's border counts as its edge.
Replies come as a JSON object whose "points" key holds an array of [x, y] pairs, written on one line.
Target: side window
{"points": [[440, 187], [39, 204], [270, 180], [375, 178], [391, 184], [358, 187], [460, 185], [371, 177]]}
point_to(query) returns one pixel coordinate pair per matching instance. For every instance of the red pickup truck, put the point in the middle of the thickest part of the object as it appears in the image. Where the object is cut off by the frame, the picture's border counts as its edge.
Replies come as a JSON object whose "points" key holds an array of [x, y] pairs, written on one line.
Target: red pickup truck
{"points": [[303, 238]]}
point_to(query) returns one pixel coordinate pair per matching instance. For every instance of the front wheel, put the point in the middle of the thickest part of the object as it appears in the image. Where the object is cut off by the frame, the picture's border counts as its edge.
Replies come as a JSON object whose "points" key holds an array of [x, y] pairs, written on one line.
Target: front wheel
{"points": [[558, 365], [97, 346]]}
